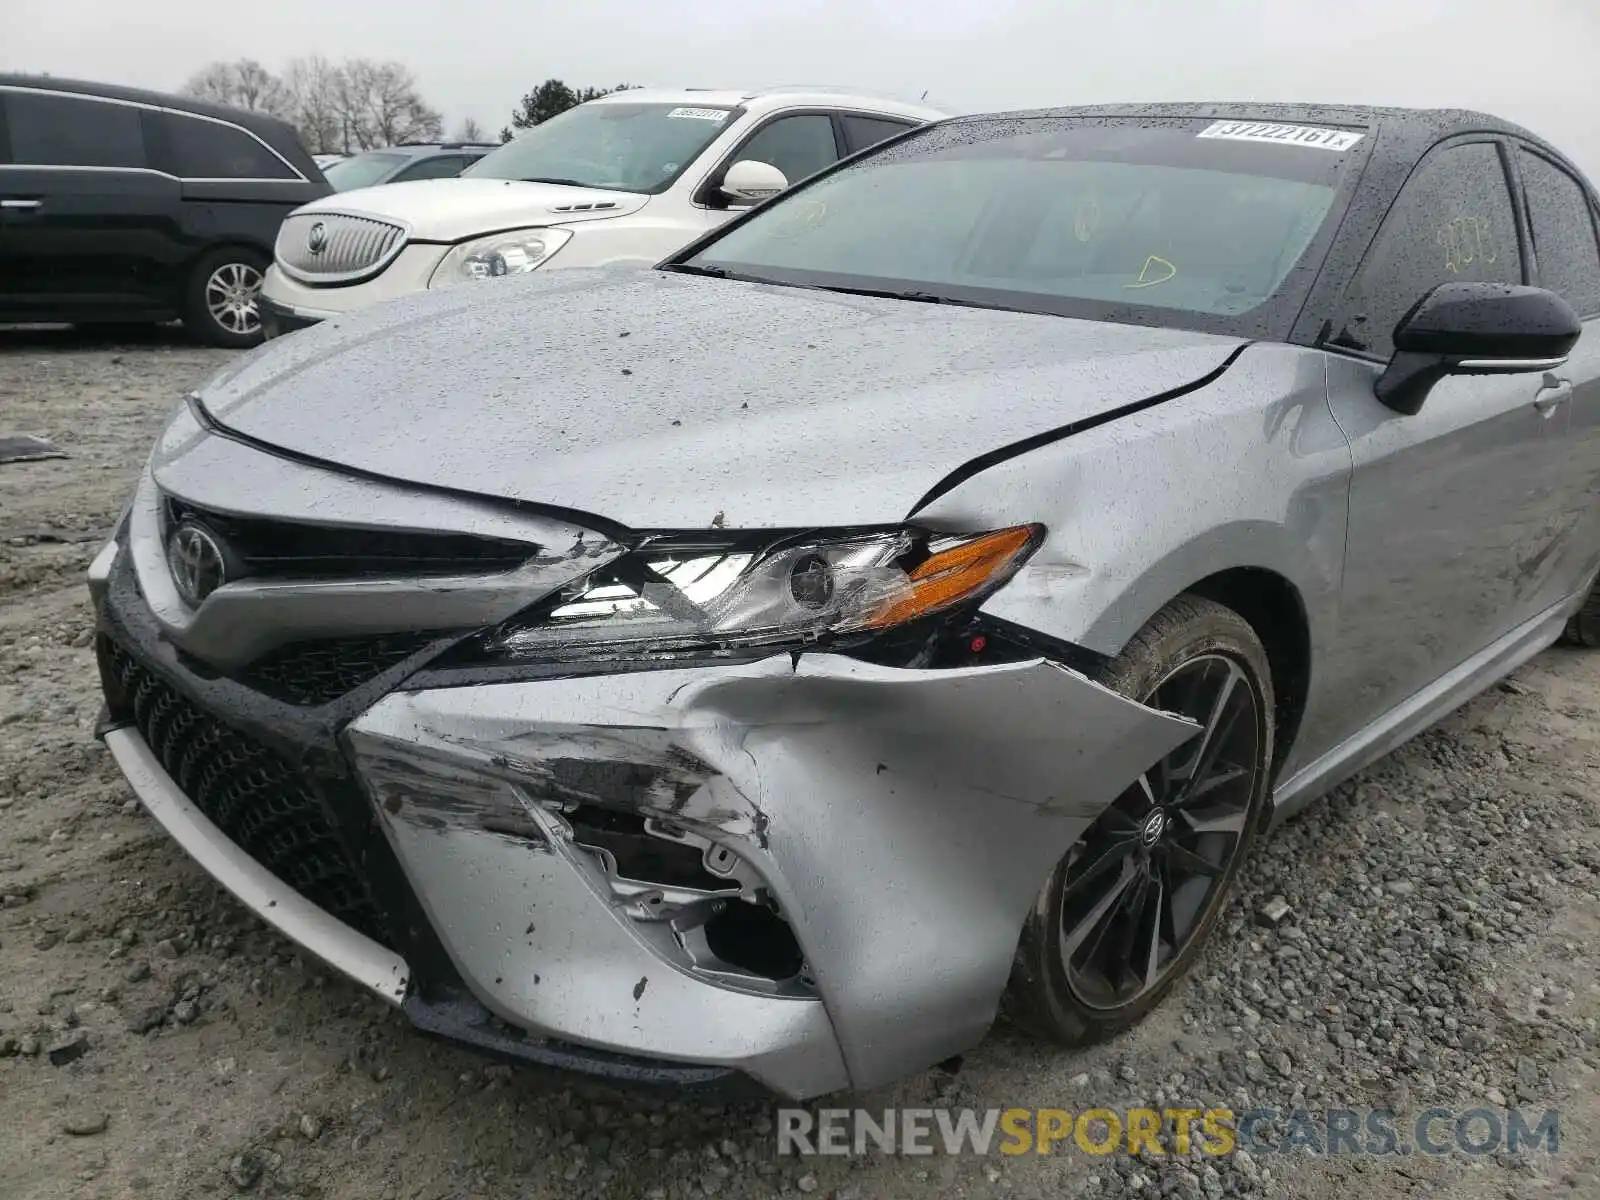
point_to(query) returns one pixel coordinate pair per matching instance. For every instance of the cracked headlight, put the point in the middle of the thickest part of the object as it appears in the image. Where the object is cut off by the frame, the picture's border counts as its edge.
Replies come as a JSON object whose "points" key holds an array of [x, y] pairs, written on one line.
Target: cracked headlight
{"points": [[673, 595], [513, 253]]}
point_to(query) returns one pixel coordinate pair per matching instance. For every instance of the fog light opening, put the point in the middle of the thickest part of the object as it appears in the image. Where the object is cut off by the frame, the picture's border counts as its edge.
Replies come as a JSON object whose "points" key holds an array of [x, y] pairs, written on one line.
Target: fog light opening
{"points": [[754, 938]]}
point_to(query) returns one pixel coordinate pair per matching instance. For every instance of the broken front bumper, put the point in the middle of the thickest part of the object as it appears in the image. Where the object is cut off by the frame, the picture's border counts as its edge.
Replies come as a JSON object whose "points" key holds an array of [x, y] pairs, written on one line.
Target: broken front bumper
{"points": [[901, 821], [889, 826]]}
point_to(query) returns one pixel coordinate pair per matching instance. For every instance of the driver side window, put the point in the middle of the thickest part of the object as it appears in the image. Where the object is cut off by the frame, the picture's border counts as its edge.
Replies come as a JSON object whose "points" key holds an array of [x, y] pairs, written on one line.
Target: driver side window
{"points": [[798, 146], [1452, 221]]}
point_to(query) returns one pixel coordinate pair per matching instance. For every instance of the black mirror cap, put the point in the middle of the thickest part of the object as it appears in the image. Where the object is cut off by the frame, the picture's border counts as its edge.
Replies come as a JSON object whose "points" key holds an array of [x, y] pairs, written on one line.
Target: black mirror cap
{"points": [[1489, 321]]}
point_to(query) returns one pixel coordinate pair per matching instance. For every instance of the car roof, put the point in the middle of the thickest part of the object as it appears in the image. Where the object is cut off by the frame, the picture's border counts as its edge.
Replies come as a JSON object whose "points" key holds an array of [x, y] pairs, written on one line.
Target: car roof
{"points": [[256, 122], [786, 96], [1403, 132]]}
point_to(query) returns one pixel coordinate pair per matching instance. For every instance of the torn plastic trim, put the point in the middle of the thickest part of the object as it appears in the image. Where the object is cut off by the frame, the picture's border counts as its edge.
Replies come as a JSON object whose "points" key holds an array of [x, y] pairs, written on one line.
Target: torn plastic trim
{"points": [[374, 967], [982, 462]]}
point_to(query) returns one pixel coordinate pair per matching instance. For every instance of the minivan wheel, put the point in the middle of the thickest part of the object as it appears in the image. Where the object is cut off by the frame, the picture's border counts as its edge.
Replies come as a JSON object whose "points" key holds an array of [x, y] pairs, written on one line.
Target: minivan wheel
{"points": [[220, 307], [1127, 910]]}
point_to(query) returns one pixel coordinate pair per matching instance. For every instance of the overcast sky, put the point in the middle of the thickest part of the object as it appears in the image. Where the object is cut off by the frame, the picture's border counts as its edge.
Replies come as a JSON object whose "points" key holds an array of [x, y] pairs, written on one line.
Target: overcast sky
{"points": [[1533, 61]]}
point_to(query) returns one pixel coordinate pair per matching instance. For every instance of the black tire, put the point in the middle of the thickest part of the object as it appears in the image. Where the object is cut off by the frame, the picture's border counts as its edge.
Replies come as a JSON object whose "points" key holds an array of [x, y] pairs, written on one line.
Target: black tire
{"points": [[214, 311], [1583, 627], [1048, 995]]}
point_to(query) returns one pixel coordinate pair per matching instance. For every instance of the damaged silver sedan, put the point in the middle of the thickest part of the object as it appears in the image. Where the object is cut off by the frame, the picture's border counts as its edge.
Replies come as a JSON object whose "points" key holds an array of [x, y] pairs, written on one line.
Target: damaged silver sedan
{"points": [[907, 602]]}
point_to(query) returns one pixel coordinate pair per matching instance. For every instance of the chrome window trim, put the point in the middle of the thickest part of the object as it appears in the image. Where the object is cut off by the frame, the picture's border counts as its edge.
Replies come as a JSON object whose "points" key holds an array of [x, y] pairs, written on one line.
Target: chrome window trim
{"points": [[175, 112]]}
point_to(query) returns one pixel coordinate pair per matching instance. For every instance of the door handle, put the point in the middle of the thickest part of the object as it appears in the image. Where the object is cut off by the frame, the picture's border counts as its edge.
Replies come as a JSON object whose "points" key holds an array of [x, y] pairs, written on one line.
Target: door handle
{"points": [[1551, 395], [20, 203]]}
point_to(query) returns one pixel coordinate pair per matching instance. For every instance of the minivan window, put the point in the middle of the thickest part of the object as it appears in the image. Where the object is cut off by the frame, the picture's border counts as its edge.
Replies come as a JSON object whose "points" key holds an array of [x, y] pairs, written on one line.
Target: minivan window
{"points": [[68, 131], [202, 149], [620, 145]]}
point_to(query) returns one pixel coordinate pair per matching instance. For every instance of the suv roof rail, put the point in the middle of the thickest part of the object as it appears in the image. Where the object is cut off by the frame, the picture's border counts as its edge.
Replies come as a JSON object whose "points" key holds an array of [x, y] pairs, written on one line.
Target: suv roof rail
{"points": [[829, 88]]}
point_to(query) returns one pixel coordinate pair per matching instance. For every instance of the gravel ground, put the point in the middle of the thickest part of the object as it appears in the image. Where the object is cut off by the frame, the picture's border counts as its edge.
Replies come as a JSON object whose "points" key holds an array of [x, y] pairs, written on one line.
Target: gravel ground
{"points": [[155, 1040]]}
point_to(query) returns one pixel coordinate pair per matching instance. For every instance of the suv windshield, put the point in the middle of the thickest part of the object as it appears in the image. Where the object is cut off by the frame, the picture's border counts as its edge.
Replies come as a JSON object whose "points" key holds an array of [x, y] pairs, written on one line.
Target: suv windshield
{"points": [[1192, 223], [615, 144], [361, 170]]}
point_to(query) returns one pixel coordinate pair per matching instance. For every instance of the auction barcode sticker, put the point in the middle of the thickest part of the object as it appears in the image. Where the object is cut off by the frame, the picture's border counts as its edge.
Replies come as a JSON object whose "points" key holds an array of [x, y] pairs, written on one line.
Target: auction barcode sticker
{"points": [[699, 114], [1293, 135]]}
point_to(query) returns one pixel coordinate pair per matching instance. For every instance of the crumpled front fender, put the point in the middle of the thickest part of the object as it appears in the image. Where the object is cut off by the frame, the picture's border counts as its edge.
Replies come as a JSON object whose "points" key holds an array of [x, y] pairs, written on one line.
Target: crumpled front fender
{"points": [[903, 820]]}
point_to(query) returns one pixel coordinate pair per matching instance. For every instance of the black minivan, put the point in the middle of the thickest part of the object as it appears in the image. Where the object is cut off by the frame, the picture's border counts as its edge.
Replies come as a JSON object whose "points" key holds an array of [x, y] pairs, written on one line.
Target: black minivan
{"points": [[121, 205]]}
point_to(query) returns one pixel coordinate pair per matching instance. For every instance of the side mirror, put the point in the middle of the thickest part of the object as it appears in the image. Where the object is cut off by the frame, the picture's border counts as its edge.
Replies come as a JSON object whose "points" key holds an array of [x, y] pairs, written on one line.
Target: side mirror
{"points": [[1475, 329], [750, 182]]}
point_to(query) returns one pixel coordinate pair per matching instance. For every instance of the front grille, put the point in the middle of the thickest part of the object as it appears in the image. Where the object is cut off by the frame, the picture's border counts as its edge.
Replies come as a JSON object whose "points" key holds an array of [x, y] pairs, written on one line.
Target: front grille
{"points": [[349, 248], [252, 794], [277, 549], [320, 671]]}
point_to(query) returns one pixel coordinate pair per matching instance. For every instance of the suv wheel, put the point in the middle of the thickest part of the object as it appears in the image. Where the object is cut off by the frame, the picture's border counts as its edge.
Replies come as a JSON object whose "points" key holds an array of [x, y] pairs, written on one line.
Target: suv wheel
{"points": [[220, 305]]}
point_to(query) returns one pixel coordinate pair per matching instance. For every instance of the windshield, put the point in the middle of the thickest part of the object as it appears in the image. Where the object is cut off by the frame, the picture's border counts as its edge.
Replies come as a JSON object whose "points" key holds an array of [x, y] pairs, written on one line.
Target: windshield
{"points": [[1191, 223], [618, 145], [361, 170]]}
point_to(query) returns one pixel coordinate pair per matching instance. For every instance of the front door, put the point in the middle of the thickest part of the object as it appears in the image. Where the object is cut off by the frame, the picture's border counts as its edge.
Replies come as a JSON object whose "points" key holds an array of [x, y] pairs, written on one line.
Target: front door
{"points": [[1456, 513]]}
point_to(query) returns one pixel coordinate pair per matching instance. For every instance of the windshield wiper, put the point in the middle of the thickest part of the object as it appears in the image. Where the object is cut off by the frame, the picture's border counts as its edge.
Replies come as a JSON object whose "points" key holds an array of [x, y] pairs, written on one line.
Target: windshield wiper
{"points": [[697, 269], [554, 179], [913, 295]]}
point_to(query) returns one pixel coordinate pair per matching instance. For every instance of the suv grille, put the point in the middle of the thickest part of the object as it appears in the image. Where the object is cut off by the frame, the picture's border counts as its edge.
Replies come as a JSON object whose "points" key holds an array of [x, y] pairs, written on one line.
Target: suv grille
{"points": [[253, 795], [347, 248]]}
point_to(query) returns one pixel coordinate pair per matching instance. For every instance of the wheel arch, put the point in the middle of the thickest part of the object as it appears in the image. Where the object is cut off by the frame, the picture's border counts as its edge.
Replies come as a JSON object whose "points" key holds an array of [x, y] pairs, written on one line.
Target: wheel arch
{"points": [[1275, 609]]}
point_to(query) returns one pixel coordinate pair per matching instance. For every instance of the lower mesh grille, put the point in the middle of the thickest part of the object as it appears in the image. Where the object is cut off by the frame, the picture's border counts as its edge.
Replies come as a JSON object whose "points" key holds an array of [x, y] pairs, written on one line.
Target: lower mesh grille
{"points": [[250, 793], [317, 672]]}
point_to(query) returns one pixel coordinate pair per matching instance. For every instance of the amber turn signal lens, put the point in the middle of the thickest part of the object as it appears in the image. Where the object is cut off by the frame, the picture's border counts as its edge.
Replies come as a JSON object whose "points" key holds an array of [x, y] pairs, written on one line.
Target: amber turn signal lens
{"points": [[952, 575]]}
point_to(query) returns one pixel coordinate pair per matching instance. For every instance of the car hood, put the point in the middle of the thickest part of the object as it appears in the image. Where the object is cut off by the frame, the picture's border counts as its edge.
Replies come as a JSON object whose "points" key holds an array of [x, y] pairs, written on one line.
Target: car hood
{"points": [[669, 401], [449, 210]]}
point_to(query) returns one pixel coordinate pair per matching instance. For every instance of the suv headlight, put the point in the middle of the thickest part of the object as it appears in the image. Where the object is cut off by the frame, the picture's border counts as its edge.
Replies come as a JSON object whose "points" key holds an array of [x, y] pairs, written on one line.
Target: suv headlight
{"points": [[694, 593], [512, 253]]}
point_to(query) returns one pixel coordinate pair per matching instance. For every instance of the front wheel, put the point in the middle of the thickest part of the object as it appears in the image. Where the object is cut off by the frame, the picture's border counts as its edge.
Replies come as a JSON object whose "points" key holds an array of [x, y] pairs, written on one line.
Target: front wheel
{"points": [[1125, 913], [220, 302]]}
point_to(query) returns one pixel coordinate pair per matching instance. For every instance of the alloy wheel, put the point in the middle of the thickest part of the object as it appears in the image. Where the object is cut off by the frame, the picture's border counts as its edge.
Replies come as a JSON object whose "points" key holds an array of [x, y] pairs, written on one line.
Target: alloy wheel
{"points": [[1140, 883], [230, 296]]}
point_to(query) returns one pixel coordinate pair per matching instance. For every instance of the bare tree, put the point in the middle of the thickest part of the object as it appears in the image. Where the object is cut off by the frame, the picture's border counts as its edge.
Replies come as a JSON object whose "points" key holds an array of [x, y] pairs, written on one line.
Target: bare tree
{"points": [[242, 84], [468, 131], [378, 105], [313, 86], [354, 105]]}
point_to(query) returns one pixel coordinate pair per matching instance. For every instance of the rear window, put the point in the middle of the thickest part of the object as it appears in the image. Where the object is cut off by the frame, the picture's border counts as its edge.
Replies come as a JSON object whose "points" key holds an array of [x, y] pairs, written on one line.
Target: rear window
{"points": [[202, 149], [69, 131]]}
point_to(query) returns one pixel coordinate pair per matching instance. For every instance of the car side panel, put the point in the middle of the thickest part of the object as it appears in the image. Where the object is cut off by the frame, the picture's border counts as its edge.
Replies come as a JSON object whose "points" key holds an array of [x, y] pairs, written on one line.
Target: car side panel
{"points": [[94, 245], [1461, 530], [1251, 471]]}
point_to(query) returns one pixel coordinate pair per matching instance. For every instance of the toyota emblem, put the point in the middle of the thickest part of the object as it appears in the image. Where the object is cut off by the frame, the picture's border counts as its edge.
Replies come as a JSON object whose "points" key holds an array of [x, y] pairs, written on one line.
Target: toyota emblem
{"points": [[317, 238], [197, 562]]}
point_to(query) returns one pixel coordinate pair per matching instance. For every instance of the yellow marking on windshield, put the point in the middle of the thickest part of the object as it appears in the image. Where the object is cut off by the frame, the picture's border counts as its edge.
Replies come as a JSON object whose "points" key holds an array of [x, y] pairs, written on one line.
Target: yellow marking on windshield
{"points": [[1145, 280], [808, 215]]}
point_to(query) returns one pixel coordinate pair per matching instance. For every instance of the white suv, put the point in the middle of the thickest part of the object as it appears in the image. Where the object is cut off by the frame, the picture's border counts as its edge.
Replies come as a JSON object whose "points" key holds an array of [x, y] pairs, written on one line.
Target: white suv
{"points": [[625, 179]]}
